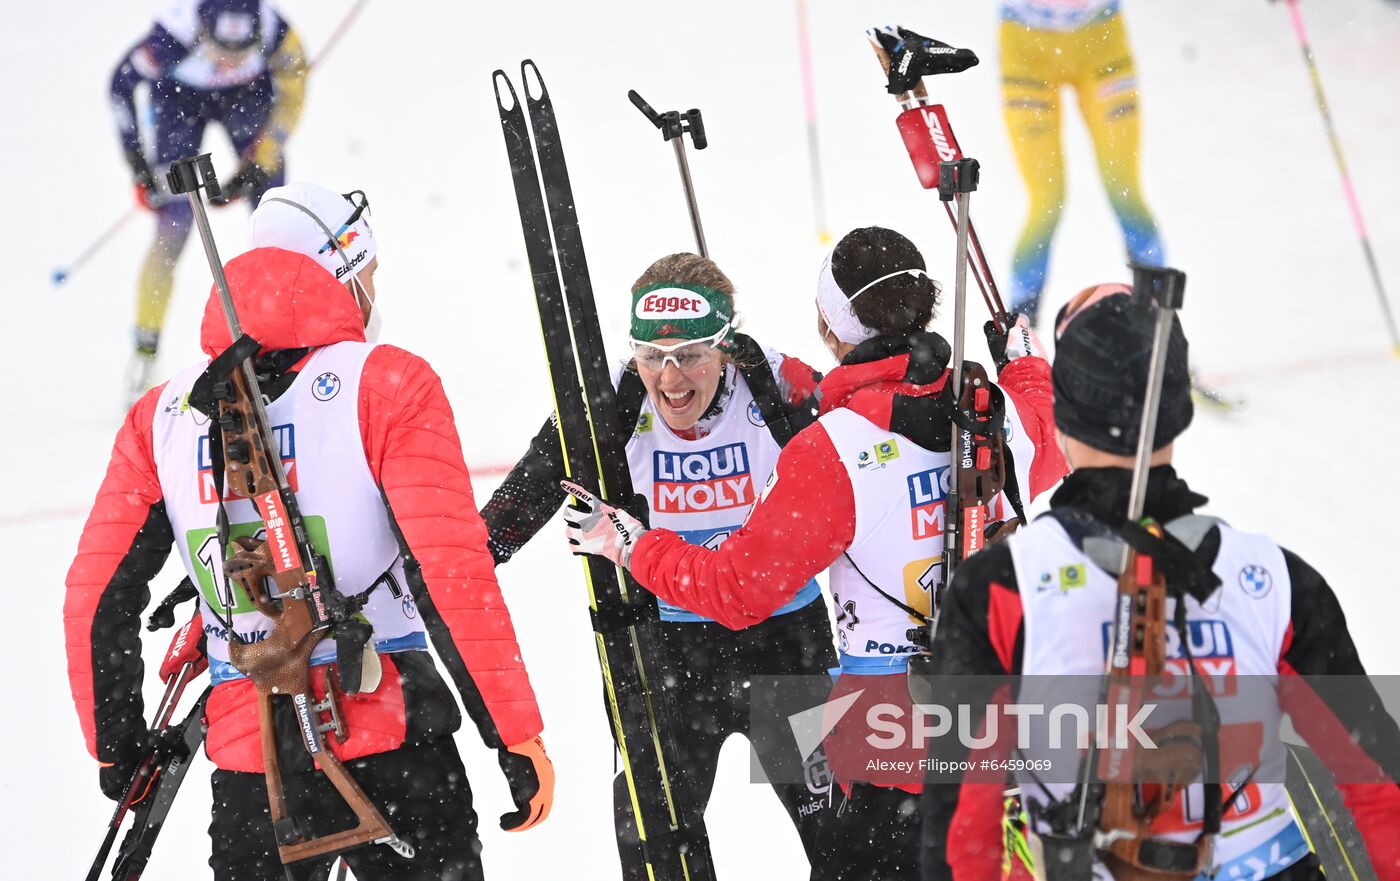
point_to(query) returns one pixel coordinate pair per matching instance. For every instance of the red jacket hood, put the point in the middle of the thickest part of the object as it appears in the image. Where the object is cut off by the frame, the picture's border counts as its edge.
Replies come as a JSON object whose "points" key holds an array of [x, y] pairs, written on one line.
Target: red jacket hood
{"points": [[284, 300]]}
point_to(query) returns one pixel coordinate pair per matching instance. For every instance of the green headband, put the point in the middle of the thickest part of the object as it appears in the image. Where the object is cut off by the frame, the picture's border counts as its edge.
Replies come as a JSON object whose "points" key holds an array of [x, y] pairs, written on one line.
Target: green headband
{"points": [[683, 311]]}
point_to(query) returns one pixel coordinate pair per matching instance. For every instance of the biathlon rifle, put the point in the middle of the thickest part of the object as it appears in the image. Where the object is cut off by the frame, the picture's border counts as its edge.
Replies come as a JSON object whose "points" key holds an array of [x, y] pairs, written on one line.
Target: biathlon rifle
{"points": [[1121, 789], [302, 601]]}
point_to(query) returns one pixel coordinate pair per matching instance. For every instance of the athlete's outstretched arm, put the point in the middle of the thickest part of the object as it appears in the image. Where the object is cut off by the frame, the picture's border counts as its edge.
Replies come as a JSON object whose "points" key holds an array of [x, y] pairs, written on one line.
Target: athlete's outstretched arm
{"points": [[801, 525]]}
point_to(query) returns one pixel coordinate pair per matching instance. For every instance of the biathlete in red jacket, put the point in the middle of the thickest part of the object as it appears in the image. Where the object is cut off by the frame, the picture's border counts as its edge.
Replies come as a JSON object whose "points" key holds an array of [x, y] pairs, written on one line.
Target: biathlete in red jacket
{"points": [[1040, 604], [705, 410], [862, 492], [369, 445]]}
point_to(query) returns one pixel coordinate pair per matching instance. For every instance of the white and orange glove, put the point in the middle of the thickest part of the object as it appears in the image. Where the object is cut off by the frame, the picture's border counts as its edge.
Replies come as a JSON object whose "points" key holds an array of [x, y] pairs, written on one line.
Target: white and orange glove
{"points": [[530, 774], [595, 527], [1018, 341]]}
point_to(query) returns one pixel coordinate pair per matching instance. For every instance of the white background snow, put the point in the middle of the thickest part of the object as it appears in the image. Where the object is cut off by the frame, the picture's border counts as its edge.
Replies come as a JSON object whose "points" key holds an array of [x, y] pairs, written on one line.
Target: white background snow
{"points": [[1237, 170]]}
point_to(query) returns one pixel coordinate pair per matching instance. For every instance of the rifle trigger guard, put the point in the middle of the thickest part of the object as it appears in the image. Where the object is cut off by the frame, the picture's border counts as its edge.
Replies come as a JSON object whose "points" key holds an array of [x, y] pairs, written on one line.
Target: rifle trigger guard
{"points": [[331, 705]]}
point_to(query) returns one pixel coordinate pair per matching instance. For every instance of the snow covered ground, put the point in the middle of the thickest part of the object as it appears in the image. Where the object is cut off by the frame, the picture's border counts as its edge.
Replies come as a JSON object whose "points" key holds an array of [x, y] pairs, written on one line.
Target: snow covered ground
{"points": [[1237, 171]]}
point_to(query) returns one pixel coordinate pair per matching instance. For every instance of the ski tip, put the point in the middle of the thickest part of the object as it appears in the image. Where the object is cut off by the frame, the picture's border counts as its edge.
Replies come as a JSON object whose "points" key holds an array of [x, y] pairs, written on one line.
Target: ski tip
{"points": [[527, 69], [498, 77]]}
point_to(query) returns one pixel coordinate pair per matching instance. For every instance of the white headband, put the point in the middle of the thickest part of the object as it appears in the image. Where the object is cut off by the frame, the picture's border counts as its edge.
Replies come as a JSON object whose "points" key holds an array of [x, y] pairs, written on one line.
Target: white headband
{"points": [[835, 306]]}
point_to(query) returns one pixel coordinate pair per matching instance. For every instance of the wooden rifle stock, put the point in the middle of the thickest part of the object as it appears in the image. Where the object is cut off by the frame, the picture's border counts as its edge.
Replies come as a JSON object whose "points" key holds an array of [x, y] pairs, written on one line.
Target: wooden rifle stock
{"points": [[306, 607], [280, 664], [1134, 797]]}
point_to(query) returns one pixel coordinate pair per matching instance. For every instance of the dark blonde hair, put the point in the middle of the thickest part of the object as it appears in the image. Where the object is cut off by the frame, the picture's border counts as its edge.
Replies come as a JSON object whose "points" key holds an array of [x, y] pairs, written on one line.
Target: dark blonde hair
{"points": [[685, 268]]}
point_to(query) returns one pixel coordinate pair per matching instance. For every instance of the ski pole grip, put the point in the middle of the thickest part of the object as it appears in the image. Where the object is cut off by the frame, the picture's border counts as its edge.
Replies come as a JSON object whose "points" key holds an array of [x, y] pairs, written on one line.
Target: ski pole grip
{"points": [[696, 126], [640, 103], [1159, 284], [957, 176], [194, 173]]}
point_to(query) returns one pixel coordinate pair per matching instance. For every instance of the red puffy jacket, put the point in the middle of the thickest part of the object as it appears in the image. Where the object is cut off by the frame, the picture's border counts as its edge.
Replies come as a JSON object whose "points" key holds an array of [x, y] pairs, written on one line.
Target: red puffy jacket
{"points": [[410, 443]]}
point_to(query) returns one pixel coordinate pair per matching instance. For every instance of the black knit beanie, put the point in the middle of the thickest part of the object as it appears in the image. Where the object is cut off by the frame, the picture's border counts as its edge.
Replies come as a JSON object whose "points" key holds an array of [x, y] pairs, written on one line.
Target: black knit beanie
{"points": [[1100, 375]]}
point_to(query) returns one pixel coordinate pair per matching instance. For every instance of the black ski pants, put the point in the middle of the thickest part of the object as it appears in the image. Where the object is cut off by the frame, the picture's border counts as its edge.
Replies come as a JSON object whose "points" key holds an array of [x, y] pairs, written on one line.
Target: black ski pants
{"points": [[873, 835], [421, 790], [707, 670]]}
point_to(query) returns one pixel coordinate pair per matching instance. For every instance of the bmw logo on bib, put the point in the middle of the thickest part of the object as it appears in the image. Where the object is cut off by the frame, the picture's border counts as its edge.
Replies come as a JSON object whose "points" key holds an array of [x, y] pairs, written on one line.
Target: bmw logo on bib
{"points": [[755, 414], [1256, 581], [326, 386]]}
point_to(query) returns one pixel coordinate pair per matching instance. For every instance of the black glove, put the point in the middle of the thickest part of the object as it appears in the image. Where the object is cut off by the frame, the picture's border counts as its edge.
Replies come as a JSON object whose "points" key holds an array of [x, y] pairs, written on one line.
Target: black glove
{"points": [[161, 743], [913, 57], [248, 181], [639, 508], [116, 773]]}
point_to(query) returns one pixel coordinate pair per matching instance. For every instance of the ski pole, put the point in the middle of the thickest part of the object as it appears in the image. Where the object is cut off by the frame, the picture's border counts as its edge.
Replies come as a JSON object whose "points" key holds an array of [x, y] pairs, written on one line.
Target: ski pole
{"points": [[928, 137], [61, 273], [336, 34], [674, 125], [140, 783], [1357, 220], [809, 101]]}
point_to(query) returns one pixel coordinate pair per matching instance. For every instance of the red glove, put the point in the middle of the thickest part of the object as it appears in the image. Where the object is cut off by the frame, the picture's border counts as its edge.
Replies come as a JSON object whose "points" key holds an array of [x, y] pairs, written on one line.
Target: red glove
{"points": [[143, 193]]}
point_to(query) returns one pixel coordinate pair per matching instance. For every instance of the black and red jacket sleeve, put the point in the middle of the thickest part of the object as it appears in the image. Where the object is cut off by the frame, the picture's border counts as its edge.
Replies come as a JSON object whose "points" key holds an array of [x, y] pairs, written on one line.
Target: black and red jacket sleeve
{"points": [[1029, 389], [123, 546], [979, 635], [803, 522], [528, 497], [411, 444], [1342, 719]]}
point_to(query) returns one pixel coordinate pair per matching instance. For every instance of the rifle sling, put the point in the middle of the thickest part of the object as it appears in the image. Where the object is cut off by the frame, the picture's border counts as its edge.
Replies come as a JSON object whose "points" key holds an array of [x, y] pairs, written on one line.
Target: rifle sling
{"points": [[913, 612]]}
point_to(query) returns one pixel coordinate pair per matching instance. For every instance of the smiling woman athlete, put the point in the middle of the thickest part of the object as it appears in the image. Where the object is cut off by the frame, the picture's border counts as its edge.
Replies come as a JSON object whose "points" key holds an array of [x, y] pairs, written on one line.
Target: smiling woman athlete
{"points": [[706, 410]]}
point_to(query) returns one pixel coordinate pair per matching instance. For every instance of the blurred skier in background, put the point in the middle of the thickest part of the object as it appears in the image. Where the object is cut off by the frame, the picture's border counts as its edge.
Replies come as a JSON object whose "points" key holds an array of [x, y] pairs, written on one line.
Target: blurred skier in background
{"points": [[234, 62], [1083, 44]]}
